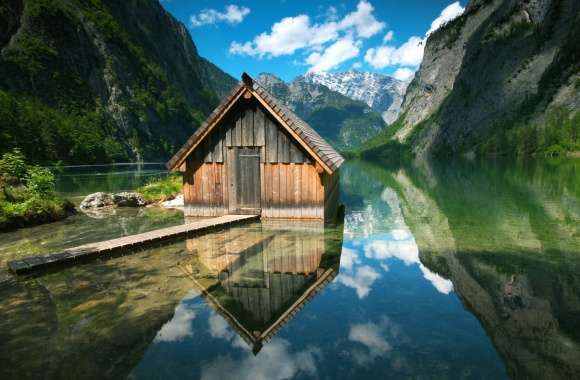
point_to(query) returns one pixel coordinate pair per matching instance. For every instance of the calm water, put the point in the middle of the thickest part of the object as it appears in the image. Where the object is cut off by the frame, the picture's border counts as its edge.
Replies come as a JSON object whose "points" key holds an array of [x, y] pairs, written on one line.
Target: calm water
{"points": [[464, 270]]}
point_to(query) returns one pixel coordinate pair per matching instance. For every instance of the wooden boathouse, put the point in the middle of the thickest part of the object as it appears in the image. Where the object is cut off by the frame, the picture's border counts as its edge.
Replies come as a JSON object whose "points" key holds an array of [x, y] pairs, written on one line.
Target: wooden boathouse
{"points": [[254, 156]]}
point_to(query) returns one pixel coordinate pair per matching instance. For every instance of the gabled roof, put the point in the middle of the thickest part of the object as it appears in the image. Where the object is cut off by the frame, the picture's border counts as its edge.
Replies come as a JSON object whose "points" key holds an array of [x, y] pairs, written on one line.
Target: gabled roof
{"points": [[303, 133]]}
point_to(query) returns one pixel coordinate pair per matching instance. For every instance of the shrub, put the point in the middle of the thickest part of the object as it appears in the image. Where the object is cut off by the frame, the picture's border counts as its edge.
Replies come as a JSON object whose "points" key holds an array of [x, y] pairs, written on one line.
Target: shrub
{"points": [[40, 181], [13, 168]]}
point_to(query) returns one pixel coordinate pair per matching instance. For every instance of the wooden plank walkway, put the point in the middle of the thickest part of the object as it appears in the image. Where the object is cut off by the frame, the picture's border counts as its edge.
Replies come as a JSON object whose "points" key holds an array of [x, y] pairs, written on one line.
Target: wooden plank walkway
{"points": [[70, 255]]}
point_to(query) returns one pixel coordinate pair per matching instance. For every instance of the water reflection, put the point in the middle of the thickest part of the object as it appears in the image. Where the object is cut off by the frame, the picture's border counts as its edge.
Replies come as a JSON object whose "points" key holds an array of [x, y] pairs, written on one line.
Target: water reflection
{"points": [[258, 278], [446, 270], [508, 237]]}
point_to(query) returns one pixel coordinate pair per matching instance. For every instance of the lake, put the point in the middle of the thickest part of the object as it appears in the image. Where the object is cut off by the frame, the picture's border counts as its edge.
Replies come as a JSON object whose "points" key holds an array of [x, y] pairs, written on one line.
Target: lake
{"points": [[438, 270]]}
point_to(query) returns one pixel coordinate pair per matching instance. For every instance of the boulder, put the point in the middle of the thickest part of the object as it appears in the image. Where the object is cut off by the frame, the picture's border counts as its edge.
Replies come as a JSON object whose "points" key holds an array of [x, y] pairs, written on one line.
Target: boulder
{"points": [[97, 200], [128, 199], [176, 202]]}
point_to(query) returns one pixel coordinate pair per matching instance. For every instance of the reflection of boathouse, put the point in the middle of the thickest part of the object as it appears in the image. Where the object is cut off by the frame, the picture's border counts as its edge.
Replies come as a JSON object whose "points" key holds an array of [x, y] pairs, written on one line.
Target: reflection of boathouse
{"points": [[259, 277]]}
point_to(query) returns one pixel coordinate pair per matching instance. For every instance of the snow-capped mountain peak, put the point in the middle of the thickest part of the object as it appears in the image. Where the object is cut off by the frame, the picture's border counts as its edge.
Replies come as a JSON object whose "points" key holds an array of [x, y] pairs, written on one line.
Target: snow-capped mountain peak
{"points": [[381, 93]]}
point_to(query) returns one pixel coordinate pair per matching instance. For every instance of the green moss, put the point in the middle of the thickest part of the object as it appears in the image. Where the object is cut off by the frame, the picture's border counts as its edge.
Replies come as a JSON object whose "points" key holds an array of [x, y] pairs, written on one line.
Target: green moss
{"points": [[160, 189]]}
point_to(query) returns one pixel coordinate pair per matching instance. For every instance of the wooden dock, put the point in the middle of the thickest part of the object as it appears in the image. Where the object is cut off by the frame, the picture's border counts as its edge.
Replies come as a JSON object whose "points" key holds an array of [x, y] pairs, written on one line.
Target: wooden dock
{"points": [[71, 255]]}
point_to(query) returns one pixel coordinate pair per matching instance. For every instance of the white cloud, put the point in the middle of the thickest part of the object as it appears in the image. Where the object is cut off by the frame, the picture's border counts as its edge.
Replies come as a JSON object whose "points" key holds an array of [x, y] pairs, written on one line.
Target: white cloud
{"points": [[404, 74], [232, 14], [357, 65], [411, 52], [363, 21], [389, 36], [451, 12], [337, 53], [408, 54], [374, 337], [295, 33]]}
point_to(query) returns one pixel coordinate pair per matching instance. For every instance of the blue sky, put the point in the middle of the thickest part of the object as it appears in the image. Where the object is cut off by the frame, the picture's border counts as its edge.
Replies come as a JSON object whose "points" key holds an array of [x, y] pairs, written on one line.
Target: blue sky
{"points": [[291, 37]]}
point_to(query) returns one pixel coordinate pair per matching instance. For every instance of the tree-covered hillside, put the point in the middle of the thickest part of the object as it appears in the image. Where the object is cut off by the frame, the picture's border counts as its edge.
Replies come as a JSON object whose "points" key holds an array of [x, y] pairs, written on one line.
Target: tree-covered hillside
{"points": [[86, 81]]}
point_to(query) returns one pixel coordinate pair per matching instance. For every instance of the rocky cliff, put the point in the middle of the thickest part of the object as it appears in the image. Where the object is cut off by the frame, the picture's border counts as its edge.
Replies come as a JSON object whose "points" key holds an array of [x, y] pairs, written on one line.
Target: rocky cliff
{"points": [[502, 78], [101, 80], [344, 122]]}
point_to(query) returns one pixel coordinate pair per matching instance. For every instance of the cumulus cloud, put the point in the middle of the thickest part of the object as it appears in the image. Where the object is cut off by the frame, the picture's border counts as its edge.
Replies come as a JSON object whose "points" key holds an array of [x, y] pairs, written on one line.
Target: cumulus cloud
{"points": [[389, 36], [404, 74], [295, 33], [450, 12], [337, 53], [411, 52], [232, 14]]}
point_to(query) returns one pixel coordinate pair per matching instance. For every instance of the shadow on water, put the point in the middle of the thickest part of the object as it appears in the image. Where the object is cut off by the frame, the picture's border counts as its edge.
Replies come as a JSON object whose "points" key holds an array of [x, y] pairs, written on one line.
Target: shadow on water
{"points": [[508, 237], [98, 319]]}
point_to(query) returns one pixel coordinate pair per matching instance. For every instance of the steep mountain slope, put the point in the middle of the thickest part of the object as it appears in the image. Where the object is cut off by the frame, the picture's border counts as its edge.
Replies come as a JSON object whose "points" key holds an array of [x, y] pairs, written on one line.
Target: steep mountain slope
{"points": [[503, 78], [344, 122], [384, 94], [100, 80]]}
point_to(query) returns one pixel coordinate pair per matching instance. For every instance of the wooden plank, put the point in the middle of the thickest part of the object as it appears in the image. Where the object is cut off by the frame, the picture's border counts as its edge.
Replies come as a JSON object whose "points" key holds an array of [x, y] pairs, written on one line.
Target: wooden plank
{"points": [[218, 147], [296, 155], [283, 147], [237, 132], [271, 141], [228, 131], [259, 127], [297, 190], [283, 207], [262, 188], [248, 128], [33, 263], [275, 191], [232, 162], [267, 206]]}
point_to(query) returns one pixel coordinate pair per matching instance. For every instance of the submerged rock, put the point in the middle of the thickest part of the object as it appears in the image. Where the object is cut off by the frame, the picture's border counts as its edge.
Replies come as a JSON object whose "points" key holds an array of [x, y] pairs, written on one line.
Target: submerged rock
{"points": [[97, 200], [128, 199]]}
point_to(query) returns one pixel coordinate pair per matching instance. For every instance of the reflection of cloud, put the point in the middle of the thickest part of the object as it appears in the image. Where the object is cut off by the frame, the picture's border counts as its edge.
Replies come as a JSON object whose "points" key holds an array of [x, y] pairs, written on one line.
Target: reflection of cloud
{"points": [[348, 258], [404, 248], [373, 337], [218, 327], [441, 284], [179, 327], [361, 281], [275, 361]]}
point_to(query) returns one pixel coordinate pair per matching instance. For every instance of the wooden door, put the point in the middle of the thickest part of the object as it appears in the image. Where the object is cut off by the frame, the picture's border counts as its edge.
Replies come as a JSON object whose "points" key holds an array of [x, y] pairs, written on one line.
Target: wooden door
{"points": [[246, 184]]}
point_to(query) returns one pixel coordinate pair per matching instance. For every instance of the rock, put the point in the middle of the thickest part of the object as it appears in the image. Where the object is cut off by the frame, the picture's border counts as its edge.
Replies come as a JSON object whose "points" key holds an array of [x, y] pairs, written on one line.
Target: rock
{"points": [[128, 199], [176, 202], [97, 200]]}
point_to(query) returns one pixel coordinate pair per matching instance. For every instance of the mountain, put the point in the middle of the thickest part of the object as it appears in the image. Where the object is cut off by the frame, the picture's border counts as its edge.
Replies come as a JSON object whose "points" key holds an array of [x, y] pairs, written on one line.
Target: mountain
{"points": [[344, 122], [503, 78], [382, 93], [101, 80]]}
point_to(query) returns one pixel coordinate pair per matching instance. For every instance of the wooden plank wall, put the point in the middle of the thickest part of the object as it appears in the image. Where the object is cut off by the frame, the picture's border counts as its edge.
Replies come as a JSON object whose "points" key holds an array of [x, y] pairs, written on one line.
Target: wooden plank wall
{"points": [[290, 184], [292, 191], [205, 189]]}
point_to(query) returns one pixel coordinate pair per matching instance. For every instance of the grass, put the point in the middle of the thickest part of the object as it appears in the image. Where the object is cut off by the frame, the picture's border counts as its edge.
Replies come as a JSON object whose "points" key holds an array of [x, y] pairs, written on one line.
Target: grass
{"points": [[161, 189]]}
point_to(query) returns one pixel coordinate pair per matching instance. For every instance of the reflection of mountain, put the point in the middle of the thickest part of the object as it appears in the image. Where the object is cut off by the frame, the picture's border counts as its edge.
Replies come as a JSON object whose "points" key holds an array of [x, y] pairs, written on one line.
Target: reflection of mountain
{"points": [[97, 320], [258, 279], [509, 239]]}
